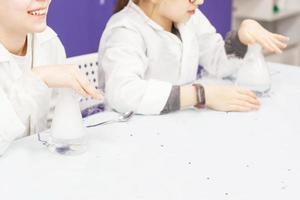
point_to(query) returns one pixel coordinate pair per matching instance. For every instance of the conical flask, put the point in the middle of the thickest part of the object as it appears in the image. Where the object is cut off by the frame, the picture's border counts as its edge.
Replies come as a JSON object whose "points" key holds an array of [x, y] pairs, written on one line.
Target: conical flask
{"points": [[254, 74], [67, 134]]}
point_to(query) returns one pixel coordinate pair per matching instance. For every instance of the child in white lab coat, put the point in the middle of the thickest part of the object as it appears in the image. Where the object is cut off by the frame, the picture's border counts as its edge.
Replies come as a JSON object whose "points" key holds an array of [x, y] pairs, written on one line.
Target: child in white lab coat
{"points": [[29, 56], [150, 52]]}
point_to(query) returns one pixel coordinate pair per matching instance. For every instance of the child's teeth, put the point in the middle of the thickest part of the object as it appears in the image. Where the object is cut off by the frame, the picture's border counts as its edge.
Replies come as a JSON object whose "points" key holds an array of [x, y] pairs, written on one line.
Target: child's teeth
{"points": [[39, 12]]}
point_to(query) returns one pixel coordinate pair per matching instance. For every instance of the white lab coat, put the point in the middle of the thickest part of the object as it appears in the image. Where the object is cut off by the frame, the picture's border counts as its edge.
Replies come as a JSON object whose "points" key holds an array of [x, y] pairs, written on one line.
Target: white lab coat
{"points": [[142, 61], [24, 96]]}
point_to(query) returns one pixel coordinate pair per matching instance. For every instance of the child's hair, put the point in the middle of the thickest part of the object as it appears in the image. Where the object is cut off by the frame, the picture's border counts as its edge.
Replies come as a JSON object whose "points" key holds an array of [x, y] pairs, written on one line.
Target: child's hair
{"points": [[122, 4]]}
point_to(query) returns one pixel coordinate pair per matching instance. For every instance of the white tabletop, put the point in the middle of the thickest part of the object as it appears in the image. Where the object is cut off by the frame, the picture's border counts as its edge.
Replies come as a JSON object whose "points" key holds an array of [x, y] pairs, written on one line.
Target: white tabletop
{"points": [[203, 155]]}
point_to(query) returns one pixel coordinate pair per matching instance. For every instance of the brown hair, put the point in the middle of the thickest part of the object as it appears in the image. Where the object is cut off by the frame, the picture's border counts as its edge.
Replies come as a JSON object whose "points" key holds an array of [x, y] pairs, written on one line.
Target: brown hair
{"points": [[122, 4]]}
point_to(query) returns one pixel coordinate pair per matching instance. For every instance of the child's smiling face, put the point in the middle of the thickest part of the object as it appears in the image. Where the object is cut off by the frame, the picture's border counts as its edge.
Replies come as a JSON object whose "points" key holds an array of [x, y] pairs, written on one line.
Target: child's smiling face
{"points": [[178, 10], [25, 16]]}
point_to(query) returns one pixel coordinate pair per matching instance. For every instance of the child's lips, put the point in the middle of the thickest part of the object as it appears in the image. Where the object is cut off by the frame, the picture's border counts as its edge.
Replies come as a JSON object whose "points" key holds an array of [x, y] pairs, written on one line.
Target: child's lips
{"points": [[191, 12]]}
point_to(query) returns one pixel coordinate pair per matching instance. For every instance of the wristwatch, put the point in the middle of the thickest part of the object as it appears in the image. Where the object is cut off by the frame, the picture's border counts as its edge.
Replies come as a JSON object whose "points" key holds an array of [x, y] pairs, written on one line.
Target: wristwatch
{"points": [[200, 92]]}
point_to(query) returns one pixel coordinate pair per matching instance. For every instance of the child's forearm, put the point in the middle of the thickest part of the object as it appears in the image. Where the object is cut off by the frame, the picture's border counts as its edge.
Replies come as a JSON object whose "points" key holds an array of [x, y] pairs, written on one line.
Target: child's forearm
{"points": [[188, 96]]}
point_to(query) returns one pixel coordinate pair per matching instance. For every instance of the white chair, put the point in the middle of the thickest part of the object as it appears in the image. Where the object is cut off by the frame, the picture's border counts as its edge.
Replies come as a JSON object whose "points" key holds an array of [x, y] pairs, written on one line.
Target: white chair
{"points": [[88, 64]]}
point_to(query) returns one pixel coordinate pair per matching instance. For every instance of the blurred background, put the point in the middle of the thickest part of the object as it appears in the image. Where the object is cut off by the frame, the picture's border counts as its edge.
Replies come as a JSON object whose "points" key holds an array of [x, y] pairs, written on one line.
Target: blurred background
{"points": [[80, 23]]}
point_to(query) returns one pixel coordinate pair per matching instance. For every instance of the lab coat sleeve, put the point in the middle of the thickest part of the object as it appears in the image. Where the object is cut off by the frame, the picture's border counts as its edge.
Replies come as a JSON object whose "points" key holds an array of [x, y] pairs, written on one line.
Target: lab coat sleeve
{"points": [[213, 55], [233, 45], [24, 96], [124, 63], [29, 96], [10, 124]]}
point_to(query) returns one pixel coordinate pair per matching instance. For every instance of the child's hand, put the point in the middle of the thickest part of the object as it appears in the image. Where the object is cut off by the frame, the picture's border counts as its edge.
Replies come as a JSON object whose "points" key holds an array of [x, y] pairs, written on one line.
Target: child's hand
{"points": [[66, 76], [251, 32], [230, 99]]}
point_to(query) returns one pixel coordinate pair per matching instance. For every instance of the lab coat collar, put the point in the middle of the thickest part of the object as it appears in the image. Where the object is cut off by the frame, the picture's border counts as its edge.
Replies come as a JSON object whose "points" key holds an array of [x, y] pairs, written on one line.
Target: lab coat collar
{"points": [[4, 54], [39, 39], [152, 23]]}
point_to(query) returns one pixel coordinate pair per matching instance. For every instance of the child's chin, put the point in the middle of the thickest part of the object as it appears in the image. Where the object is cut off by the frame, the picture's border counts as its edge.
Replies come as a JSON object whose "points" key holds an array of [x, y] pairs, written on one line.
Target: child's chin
{"points": [[40, 28], [185, 19]]}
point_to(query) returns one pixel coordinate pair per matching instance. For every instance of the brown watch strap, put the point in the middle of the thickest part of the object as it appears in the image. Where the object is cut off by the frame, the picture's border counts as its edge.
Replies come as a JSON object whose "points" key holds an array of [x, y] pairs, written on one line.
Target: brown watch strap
{"points": [[200, 93]]}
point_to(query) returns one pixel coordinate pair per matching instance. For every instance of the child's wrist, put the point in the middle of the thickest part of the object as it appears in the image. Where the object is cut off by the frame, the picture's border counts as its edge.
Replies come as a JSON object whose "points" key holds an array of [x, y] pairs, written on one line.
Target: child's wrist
{"points": [[188, 96]]}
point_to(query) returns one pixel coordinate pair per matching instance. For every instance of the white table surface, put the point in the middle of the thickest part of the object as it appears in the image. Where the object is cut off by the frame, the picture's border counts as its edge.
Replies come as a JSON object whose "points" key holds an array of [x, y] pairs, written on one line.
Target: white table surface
{"points": [[191, 155]]}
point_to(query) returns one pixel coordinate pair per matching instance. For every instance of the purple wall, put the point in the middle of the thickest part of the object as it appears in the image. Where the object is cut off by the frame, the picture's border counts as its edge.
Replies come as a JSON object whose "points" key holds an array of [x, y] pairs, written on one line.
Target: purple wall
{"points": [[79, 23], [219, 13]]}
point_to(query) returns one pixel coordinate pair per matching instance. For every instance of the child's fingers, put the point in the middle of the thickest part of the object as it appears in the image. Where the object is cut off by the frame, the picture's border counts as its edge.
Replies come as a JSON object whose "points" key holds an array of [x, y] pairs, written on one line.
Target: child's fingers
{"points": [[249, 99], [280, 44], [265, 44], [275, 48], [241, 106], [77, 87], [270, 46], [247, 105], [93, 92], [86, 86], [247, 92], [248, 96], [282, 38], [237, 108]]}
